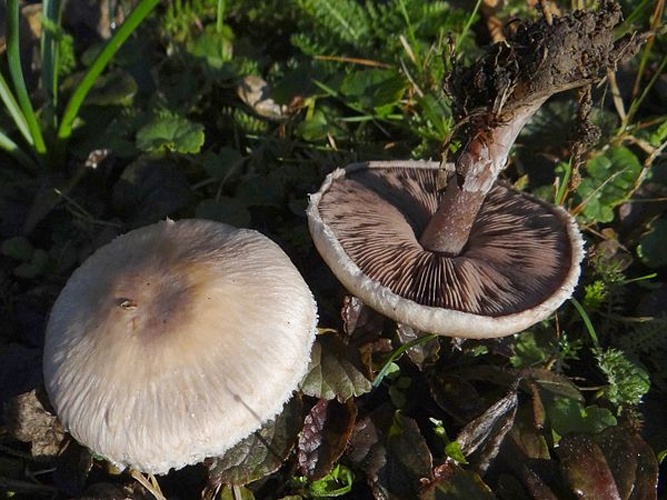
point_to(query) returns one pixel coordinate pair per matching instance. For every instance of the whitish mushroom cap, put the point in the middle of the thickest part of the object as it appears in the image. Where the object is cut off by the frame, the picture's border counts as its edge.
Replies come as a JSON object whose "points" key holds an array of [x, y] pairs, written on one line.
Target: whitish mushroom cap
{"points": [[519, 265], [176, 341]]}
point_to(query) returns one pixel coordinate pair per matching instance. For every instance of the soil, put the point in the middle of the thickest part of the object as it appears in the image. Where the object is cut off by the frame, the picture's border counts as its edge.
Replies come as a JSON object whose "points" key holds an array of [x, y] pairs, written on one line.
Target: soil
{"points": [[540, 59]]}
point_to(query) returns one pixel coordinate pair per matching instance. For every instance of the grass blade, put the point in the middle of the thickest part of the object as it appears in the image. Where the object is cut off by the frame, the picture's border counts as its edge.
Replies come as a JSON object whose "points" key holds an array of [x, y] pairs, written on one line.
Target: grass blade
{"points": [[587, 321], [398, 353], [563, 186], [12, 148], [135, 18], [466, 28], [14, 110], [414, 46], [51, 12], [16, 72]]}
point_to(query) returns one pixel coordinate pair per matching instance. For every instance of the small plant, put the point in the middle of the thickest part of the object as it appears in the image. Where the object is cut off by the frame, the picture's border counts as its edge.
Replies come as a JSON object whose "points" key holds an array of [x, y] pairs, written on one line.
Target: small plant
{"points": [[628, 382], [45, 135]]}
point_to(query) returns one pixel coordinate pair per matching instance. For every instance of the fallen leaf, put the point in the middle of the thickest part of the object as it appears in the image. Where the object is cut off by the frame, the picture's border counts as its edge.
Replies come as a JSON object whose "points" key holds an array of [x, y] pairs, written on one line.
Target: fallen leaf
{"points": [[261, 453], [335, 371], [324, 436]]}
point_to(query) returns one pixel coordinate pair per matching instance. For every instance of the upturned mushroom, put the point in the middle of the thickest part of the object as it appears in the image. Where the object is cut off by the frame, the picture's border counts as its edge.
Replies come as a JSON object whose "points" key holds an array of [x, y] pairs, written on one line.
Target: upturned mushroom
{"points": [[176, 341], [447, 248]]}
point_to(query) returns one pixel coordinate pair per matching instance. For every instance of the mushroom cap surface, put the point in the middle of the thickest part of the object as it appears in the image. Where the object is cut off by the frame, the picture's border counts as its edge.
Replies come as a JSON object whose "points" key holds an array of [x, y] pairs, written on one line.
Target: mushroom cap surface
{"points": [[520, 264], [175, 341]]}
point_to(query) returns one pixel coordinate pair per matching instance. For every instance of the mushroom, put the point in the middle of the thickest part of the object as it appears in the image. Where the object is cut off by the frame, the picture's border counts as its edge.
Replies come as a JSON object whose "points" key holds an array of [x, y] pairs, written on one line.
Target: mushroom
{"points": [[446, 248], [175, 341], [521, 260]]}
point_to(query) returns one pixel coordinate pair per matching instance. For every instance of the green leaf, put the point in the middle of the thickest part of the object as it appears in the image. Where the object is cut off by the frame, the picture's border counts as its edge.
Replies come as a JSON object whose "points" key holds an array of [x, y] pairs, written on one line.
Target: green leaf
{"points": [[173, 133], [437, 113], [530, 350], [609, 183], [568, 416], [659, 135], [594, 295], [16, 73], [453, 450], [13, 149], [14, 110], [116, 88], [314, 128], [555, 383], [628, 382], [335, 371], [216, 48], [374, 88], [51, 44], [337, 483], [142, 9]]}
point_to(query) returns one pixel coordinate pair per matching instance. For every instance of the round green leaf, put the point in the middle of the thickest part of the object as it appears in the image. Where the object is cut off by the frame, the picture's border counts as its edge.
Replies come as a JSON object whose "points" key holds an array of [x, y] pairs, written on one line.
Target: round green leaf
{"points": [[172, 133]]}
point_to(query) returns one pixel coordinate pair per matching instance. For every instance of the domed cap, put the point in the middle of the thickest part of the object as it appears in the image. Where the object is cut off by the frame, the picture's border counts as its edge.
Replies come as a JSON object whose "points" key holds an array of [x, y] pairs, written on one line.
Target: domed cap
{"points": [[176, 341], [520, 263]]}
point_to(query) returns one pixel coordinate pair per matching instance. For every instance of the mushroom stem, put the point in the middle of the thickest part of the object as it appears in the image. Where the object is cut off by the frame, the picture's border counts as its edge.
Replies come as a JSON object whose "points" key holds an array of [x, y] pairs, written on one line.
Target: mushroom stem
{"points": [[497, 95], [477, 168]]}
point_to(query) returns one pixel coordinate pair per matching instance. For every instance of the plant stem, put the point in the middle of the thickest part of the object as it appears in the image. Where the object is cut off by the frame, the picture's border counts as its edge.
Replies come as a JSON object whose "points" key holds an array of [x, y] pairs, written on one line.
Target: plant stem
{"points": [[220, 17], [399, 352], [143, 8], [16, 72], [14, 110], [466, 28], [51, 10], [12, 148], [478, 165]]}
